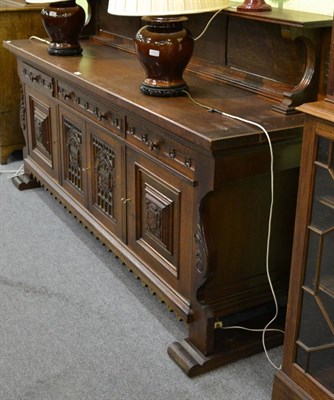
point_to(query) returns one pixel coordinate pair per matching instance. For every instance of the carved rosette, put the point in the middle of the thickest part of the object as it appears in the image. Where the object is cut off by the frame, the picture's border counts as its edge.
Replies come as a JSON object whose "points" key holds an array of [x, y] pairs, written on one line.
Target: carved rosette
{"points": [[153, 219]]}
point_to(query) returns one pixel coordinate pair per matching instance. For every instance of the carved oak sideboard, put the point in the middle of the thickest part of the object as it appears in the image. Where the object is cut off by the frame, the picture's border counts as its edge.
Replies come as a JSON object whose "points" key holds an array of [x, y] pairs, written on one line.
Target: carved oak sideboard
{"points": [[18, 21], [181, 195]]}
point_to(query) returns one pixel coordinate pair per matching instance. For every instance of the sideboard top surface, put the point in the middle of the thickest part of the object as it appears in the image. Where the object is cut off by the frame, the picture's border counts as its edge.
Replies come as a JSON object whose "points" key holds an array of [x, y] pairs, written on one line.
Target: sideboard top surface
{"points": [[115, 75]]}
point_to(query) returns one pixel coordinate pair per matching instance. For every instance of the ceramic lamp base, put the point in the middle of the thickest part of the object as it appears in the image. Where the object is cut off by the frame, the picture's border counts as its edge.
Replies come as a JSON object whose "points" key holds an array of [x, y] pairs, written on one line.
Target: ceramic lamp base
{"points": [[164, 48], [63, 22]]}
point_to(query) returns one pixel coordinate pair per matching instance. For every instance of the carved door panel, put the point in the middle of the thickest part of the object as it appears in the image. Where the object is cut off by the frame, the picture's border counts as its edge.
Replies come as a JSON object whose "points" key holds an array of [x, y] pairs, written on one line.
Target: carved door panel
{"points": [[106, 181], [160, 220], [42, 140], [73, 157]]}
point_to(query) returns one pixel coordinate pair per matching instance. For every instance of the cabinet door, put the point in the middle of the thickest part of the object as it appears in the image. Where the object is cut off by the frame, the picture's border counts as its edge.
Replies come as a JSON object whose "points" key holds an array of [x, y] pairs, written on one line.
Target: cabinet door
{"points": [[160, 220], [315, 339], [73, 157], [106, 180], [42, 138]]}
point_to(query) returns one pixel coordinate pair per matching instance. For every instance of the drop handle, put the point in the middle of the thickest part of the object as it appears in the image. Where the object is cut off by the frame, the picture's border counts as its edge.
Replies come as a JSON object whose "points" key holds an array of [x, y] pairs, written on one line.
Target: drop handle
{"points": [[125, 200], [33, 77], [64, 94], [152, 144], [100, 116]]}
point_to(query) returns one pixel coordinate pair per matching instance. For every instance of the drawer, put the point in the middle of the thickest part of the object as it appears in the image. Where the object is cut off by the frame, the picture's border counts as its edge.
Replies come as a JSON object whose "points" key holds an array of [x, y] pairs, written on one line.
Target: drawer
{"points": [[152, 140], [109, 117], [37, 78]]}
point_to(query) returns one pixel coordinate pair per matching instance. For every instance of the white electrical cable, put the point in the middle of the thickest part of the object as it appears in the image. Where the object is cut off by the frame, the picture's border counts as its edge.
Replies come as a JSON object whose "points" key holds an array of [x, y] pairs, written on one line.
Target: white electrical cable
{"points": [[12, 171], [207, 25], [39, 39], [266, 328]]}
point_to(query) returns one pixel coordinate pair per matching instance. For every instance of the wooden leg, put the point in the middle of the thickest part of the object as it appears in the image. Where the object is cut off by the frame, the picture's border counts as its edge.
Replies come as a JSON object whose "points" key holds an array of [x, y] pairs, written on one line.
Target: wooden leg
{"points": [[209, 345], [25, 182], [229, 345]]}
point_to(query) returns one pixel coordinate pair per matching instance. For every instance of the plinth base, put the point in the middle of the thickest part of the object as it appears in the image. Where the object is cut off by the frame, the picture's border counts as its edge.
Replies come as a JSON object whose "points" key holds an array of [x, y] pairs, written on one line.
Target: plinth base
{"points": [[172, 91]]}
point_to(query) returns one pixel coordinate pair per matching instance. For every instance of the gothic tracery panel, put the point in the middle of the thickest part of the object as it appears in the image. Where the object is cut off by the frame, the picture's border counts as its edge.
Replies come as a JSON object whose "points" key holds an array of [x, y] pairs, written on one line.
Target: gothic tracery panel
{"points": [[104, 177], [73, 154]]}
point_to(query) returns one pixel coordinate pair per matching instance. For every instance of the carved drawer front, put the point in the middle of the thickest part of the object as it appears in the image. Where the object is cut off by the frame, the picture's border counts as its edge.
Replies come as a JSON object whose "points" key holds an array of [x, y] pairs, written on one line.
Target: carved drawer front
{"points": [[37, 78], [104, 115], [153, 141]]}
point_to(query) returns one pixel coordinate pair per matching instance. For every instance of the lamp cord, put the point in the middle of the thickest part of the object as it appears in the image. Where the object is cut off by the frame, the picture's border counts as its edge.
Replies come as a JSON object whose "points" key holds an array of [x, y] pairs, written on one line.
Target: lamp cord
{"points": [[39, 39], [266, 328], [208, 24], [16, 172]]}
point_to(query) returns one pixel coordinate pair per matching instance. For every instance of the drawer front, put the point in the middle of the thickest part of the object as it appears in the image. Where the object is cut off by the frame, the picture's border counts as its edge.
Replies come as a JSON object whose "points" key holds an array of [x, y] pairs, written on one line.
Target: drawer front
{"points": [[109, 117], [152, 140], [37, 78]]}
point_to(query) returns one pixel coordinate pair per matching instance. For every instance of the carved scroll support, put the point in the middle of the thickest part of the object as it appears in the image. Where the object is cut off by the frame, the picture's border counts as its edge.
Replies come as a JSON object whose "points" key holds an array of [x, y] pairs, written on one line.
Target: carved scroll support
{"points": [[306, 89], [193, 354], [208, 345]]}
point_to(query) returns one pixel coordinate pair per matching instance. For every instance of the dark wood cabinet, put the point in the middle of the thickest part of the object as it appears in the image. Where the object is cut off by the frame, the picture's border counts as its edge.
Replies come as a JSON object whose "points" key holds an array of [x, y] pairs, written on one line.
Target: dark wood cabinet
{"points": [[181, 195], [308, 364]]}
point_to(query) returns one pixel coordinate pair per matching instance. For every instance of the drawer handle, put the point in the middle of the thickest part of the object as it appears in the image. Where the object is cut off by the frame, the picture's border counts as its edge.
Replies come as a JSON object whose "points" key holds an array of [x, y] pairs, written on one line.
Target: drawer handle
{"points": [[172, 153], [151, 144], [64, 94], [33, 77], [188, 162], [99, 115]]}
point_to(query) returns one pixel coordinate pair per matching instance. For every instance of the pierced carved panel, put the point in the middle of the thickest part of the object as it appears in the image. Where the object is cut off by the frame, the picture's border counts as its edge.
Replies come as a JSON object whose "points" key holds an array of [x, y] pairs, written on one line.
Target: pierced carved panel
{"points": [[73, 154], [104, 177]]}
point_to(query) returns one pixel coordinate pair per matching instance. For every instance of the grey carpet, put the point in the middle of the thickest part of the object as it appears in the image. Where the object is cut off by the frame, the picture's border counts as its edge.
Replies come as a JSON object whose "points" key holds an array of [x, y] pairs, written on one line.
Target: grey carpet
{"points": [[77, 325]]}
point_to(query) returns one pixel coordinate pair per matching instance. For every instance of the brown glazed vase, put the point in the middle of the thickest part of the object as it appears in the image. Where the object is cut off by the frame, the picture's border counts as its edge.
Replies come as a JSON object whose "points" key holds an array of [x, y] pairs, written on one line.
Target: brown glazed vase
{"points": [[63, 22], [164, 48]]}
